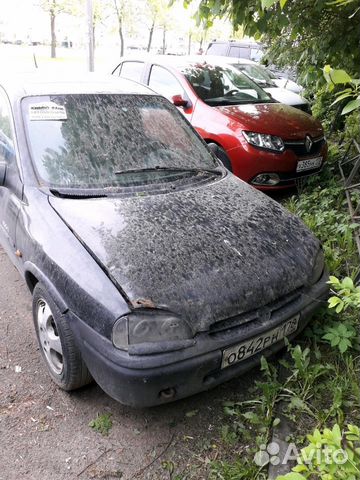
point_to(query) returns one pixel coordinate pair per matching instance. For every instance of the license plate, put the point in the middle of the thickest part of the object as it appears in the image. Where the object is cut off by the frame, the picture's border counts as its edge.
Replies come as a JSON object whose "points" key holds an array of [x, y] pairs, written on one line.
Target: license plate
{"points": [[308, 164], [251, 347]]}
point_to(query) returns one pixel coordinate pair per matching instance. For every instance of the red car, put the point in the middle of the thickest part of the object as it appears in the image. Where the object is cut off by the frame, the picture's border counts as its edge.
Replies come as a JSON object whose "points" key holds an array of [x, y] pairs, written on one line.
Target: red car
{"points": [[266, 143]]}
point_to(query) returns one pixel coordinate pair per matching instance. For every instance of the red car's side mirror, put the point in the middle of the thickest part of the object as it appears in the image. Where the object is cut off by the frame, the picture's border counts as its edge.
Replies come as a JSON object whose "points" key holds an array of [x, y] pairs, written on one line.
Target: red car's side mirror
{"points": [[179, 101]]}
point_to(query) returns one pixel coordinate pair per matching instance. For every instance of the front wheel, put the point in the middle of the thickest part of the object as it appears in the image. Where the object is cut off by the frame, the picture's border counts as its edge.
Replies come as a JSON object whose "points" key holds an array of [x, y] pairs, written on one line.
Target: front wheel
{"points": [[221, 155], [57, 343]]}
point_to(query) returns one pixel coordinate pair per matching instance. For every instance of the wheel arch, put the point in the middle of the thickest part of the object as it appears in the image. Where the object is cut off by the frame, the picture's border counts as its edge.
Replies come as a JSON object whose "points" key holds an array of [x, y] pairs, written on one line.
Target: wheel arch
{"points": [[34, 275]]}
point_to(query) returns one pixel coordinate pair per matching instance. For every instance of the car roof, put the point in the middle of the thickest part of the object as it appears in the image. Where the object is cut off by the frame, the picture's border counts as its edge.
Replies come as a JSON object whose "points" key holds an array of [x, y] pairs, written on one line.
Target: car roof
{"points": [[173, 60], [228, 60], [180, 61], [23, 85], [241, 43]]}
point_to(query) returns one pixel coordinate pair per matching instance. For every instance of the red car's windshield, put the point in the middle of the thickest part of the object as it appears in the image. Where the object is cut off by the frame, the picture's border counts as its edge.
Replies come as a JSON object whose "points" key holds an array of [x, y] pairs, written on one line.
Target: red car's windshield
{"points": [[217, 85]]}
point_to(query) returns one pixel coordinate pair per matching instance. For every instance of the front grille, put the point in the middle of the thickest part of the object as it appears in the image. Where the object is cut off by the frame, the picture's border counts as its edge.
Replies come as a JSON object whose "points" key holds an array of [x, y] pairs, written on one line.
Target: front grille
{"points": [[277, 307], [300, 150]]}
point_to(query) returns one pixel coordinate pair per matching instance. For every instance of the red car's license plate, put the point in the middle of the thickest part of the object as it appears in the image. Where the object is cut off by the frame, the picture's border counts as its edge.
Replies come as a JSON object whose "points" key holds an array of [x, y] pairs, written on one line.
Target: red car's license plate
{"points": [[309, 164]]}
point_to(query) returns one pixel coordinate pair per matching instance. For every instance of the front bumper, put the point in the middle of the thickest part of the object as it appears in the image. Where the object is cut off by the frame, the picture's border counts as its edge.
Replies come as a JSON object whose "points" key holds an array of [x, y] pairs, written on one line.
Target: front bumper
{"points": [[248, 162], [147, 380]]}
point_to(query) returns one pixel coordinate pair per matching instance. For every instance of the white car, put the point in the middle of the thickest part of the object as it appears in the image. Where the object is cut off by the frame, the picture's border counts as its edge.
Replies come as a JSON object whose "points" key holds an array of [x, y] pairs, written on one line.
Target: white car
{"points": [[281, 89]]}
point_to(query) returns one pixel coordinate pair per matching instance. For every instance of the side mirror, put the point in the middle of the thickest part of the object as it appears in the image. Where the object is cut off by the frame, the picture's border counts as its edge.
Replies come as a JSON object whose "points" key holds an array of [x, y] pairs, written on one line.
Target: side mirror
{"points": [[3, 167], [179, 101]]}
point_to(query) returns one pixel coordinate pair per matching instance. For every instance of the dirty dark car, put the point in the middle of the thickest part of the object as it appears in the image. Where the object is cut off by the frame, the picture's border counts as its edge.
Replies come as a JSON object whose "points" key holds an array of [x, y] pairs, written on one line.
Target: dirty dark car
{"points": [[153, 269]]}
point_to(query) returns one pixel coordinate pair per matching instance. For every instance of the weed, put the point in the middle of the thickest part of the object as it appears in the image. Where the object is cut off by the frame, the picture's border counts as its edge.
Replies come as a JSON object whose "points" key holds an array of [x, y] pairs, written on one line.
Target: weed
{"points": [[330, 455], [102, 423]]}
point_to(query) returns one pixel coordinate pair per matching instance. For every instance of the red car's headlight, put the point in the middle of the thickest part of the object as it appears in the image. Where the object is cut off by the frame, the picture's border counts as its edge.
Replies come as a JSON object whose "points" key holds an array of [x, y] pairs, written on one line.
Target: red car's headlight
{"points": [[262, 140]]}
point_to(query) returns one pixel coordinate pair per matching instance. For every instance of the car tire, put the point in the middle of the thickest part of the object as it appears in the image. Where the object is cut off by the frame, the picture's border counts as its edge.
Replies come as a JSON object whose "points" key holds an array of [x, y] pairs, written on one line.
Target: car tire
{"points": [[57, 343], [221, 155]]}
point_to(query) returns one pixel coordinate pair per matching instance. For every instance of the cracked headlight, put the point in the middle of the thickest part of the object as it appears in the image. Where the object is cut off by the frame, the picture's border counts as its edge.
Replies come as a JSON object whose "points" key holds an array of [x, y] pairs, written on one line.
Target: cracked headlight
{"points": [[262, 140], [149, 326], [318, 267]]}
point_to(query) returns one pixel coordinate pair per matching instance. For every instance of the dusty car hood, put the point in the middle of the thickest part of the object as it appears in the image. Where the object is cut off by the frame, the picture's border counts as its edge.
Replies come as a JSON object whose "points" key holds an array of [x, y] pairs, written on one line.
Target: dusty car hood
{"points": [[275, 119], [207, 253]]}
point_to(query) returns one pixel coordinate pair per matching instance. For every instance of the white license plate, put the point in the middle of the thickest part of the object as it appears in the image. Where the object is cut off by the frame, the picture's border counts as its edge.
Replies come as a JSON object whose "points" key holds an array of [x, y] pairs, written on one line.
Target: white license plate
{"points": [[309, 164], [251, 347]]}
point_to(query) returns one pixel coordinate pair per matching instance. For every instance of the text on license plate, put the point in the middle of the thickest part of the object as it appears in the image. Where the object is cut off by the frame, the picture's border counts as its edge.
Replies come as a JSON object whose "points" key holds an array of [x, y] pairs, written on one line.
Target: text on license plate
{"points": [[251, 347], [308, 164]]}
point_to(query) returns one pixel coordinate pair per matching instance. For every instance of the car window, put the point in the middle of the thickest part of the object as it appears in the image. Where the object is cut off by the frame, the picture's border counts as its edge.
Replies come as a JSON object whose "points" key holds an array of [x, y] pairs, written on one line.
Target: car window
{"points": [[217, 85], [256, 54], [164, 82], [7, 152], [217, 49], [257, 73], [132, 71], [239, 52], [85, 141]]}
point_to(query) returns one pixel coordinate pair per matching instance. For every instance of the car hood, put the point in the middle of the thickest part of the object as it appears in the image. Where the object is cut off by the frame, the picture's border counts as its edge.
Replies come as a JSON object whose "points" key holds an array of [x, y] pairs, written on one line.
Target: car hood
{"points": [[278, 119], [286, 96], [288, 84], [207, 253]]}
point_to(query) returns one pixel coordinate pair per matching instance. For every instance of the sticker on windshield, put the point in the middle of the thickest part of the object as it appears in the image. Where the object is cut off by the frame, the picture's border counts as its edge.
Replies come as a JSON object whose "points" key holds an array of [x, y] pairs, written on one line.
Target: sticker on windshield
{"points": [[47, 111]]}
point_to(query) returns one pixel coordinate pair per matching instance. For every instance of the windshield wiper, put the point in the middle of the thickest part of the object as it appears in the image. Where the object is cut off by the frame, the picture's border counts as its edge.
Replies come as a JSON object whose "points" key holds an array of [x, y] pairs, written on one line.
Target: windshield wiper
{"points": [[168, 169], [76, 194]]}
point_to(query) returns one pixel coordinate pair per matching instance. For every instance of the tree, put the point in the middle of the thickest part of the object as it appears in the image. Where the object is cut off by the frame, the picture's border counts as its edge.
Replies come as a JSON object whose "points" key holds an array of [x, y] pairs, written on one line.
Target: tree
{"points": [[119, 11], [54, 8], [306, 34]]}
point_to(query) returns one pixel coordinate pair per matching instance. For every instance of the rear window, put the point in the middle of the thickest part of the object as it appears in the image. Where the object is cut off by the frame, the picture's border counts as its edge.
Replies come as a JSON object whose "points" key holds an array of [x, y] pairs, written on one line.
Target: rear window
{"points": [[217, 49], [132, 71], [239, 52]]}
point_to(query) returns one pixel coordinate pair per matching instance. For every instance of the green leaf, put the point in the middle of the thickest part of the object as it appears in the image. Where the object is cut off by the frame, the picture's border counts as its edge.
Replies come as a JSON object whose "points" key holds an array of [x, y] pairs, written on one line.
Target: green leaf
{"points": [[340, 307], [267, 3], [341, 97], [340, 76], [300, 468], [291, 476], [333, 301], [276, 422], [347, 283], [344, 344], [282, 3], [334, 280], [349, 107]]}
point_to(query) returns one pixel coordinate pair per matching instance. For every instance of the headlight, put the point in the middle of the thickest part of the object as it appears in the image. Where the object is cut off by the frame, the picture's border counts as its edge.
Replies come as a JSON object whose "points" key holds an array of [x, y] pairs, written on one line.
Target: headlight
{"points": [[262, 140], [318, 267], [149, 326]]}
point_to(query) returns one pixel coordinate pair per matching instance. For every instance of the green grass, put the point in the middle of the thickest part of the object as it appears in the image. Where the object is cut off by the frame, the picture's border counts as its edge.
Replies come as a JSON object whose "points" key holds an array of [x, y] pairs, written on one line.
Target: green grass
{"points": [[321, 384]]}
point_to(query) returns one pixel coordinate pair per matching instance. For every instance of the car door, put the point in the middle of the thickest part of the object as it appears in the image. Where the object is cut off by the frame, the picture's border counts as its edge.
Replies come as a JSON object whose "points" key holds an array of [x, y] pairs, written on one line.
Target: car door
{"points": [[11, 190], [162, 81]]}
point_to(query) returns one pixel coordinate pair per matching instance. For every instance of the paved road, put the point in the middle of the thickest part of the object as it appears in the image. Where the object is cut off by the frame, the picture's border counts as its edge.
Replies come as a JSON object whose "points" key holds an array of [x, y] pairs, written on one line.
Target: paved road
{"points": [[44, 431]]}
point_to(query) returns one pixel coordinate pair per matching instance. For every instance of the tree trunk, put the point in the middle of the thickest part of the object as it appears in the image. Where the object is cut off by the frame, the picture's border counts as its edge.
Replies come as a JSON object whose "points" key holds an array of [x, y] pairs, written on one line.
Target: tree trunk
{"points": [[164, 40], [120, 29], [189, 44], [151, 35], [53, 34], [121, 36]]}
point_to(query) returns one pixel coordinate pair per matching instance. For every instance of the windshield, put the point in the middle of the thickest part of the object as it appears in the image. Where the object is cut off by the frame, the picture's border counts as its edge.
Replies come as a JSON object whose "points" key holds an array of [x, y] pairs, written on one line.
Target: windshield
{"points": [[110, 140], [256, 73], [217, 85]]}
